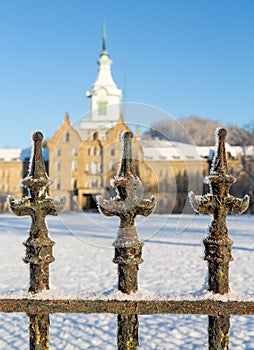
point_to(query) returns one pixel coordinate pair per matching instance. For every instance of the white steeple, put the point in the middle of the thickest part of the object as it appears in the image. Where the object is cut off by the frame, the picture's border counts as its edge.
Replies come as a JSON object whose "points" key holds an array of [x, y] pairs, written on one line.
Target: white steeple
{"points": [[105, 97]]}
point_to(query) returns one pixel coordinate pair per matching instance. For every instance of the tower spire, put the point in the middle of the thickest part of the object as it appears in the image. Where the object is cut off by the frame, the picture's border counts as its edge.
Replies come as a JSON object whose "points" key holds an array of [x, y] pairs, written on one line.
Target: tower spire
{"points": [[104, 38]]}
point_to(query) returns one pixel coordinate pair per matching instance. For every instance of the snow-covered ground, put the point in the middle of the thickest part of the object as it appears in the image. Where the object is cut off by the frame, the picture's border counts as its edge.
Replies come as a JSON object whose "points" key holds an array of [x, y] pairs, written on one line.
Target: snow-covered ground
{"points": [[173, 263]]}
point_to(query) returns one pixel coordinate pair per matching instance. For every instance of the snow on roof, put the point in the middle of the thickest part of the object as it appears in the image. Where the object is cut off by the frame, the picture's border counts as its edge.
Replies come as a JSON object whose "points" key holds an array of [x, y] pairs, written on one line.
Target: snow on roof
{"points": [[10, 154], [249, 151], [163, 150]]}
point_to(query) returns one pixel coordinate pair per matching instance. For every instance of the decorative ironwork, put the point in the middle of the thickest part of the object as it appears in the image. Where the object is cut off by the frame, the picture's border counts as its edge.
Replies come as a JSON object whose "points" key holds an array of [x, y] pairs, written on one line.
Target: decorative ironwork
{"points": [[128, 248], [39, 245], [127, 206], [219, 203]]}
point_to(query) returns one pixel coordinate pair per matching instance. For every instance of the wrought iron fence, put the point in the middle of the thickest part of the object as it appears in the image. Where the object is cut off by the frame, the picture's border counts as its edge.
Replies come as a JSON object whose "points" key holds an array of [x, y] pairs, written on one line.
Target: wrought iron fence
{"points": [[128, 253]]}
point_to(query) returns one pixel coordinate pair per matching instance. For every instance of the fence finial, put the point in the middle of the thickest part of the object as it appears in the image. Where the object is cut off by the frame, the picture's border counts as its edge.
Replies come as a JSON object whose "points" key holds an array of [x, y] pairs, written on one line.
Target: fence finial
{"points": [[128, 248], [127, 206], [38, 205], [219, 203]]}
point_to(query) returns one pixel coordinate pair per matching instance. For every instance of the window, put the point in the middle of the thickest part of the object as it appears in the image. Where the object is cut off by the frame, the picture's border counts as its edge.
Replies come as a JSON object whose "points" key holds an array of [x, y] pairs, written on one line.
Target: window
{"points": [[74, 151], [112, 165], [102, 107], [74, 184], [58, 166], [93, 168], [58, 184], [58, 152], [67, 137], [112, 152], [74, 165]]}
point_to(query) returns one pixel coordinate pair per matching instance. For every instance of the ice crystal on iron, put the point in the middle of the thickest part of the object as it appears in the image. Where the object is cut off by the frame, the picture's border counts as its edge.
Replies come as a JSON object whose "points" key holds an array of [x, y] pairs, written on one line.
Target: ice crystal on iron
{"points": [[37, 205], [126, 205]]}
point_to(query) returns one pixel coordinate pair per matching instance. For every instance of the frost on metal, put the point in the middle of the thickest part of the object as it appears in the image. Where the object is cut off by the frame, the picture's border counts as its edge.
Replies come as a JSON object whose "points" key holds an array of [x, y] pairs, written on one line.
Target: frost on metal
{"points": [[37, 205], [126, 205], [38, 245], [219, 203], [128, 249]]}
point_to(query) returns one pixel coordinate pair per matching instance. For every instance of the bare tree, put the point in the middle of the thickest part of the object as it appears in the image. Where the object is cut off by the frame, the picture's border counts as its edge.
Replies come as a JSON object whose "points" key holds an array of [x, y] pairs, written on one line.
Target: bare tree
{"points": [[200, 129], [239, 136], [189, 130]]}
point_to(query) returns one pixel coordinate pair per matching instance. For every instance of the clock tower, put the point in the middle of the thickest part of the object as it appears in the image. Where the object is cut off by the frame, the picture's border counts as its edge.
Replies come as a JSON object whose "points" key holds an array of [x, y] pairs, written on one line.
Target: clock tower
{"points": [[104, 95]]}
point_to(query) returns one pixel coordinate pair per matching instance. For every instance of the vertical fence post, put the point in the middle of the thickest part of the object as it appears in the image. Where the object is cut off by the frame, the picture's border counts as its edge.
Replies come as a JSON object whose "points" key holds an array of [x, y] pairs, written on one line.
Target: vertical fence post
{"points": [[39, 245], [128, 248], [219, 203]]}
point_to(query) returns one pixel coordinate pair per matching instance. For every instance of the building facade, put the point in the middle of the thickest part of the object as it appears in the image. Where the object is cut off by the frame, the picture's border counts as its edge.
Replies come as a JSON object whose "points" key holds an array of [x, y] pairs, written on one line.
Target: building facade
{"points": [[81, 160], [11, 173]]}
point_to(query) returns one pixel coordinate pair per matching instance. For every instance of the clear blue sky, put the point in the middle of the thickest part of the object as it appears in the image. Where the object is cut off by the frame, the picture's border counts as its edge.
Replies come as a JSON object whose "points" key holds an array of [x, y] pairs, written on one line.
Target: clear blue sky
{"points": [[183, 56]]}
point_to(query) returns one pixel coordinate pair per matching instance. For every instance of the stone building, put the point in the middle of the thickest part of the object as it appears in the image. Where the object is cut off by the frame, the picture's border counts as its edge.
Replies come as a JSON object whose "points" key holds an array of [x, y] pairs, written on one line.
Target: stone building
{"points": [[63, 148], [11, 171], [81, 160]]}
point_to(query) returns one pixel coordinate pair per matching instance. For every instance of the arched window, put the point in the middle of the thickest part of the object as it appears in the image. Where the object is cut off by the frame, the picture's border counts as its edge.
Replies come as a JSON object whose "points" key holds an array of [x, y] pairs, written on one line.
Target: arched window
{"points": [[67, 137]]}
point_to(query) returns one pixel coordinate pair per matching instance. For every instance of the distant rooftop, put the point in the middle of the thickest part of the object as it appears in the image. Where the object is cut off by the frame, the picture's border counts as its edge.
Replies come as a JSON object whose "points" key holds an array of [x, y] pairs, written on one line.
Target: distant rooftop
{"points": [[164, 150], [10, 154]]}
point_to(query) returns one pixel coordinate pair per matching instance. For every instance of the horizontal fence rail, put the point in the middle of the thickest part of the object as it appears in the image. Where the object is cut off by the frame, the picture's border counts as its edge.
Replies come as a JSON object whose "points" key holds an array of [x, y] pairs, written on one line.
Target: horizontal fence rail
{"points": [[39, 302], [129, 307]]}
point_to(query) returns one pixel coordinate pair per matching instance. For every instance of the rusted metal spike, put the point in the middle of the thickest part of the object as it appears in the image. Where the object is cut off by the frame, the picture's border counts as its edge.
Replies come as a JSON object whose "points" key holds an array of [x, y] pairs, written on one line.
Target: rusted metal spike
{"points": [[127, 165], [219, 165], [37, 168], [38, 206], [127, 206], [39, 245], [218, 254], [128, 249], [219, 203]]}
